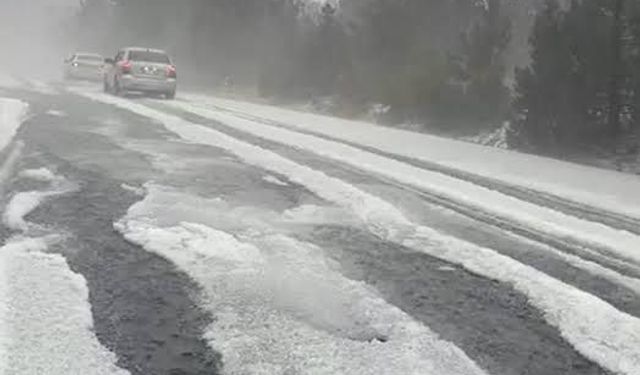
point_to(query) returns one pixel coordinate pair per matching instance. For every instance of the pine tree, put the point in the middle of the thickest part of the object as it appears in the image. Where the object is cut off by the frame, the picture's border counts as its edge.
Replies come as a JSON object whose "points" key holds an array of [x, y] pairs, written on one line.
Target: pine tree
{"points": [[542, 88], [632, 57], [563, 97], [482, 69]]}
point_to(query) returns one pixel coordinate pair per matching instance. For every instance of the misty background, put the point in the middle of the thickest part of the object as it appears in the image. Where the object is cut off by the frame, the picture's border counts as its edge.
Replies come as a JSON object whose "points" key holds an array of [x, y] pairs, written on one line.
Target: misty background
{"points": [[551, 77]]}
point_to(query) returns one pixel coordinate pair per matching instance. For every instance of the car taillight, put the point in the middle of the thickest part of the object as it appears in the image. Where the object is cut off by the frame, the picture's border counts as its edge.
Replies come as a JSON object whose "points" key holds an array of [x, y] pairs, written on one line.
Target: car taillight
{"points": [[125, 67], [171, 72]]}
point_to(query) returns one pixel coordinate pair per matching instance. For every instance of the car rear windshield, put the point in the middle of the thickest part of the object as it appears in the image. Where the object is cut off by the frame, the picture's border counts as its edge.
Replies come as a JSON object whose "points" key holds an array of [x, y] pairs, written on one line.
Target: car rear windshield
{"points": [[149, 56], [90, 58]]}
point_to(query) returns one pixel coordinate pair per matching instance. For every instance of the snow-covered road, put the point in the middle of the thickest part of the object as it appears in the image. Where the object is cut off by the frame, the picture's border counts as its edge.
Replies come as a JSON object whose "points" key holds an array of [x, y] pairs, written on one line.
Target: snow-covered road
{"points": [[214, 236]]}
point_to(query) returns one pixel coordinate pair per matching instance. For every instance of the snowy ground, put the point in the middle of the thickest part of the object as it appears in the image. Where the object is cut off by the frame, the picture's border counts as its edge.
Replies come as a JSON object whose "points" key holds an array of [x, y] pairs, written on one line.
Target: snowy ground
{"points": [[45, 318], [495, 138], [600, 188], [212, 236], [514, 210], [568, 309], [12, 113], [46, 326]]}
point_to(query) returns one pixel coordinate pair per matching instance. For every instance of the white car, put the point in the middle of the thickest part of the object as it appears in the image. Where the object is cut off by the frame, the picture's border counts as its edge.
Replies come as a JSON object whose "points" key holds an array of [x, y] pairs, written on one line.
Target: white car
{"points": [[82, 65], [145, 70]]}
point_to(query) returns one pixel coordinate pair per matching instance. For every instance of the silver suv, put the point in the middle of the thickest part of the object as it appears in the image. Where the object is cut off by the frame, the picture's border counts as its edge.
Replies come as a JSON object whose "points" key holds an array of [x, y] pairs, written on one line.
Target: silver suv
{"points": [[143, 70]]}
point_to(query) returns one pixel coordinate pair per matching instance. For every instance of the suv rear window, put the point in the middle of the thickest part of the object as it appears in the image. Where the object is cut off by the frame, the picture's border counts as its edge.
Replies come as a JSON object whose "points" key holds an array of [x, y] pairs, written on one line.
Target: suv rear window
{"points": [[149, 56]]}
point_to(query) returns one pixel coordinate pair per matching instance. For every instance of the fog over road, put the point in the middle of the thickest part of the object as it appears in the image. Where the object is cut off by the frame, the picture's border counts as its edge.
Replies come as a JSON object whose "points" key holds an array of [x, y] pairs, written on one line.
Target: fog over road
{"points": [[212, 233]]}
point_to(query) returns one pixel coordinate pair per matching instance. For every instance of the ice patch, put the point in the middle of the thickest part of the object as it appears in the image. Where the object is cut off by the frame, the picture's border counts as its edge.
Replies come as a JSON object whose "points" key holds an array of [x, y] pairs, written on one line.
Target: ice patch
{"points": [[274, 180], [56, 113], [313, 214], [446, 269], [46, 327], [596, 329], [135, 190], [279, 308], [170, 207], [110, 127], [12, 114], [40, 174], [22, 203], [498, 138], [8, 165]]}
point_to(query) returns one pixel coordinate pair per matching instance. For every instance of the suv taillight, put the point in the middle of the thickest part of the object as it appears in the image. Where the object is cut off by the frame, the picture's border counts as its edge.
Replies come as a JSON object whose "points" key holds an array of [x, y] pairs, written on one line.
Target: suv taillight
{"points": [[171, 72], [125, 67]]}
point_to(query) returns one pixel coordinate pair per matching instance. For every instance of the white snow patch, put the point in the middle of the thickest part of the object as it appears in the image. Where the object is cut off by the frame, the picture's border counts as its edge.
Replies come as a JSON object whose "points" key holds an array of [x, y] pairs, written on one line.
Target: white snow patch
{"points": [[133, 189], [605, 189], [631, 283], [543, 219], [110, 127], [56, 113], [274, 180], [39, 174], [46, 326], [22, 203], [596, 329], [12, 114], [313, 214], [495, 138], [446, 269], [170, 207], [8, 165], [279, 307]]}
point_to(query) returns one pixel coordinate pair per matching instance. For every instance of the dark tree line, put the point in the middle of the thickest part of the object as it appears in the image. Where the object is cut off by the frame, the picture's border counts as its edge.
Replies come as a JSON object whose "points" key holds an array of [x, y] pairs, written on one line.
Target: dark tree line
{"points": [[423, 58], [582, 87], [439, 62]]}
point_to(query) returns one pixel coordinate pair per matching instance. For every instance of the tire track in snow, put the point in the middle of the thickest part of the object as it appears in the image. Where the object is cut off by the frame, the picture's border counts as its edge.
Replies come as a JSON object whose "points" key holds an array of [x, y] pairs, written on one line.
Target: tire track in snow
{"points": [[596, 329], [368, 135], [612, 270], [605, 273], [606, 278], [614, 249], [537, 197]]}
